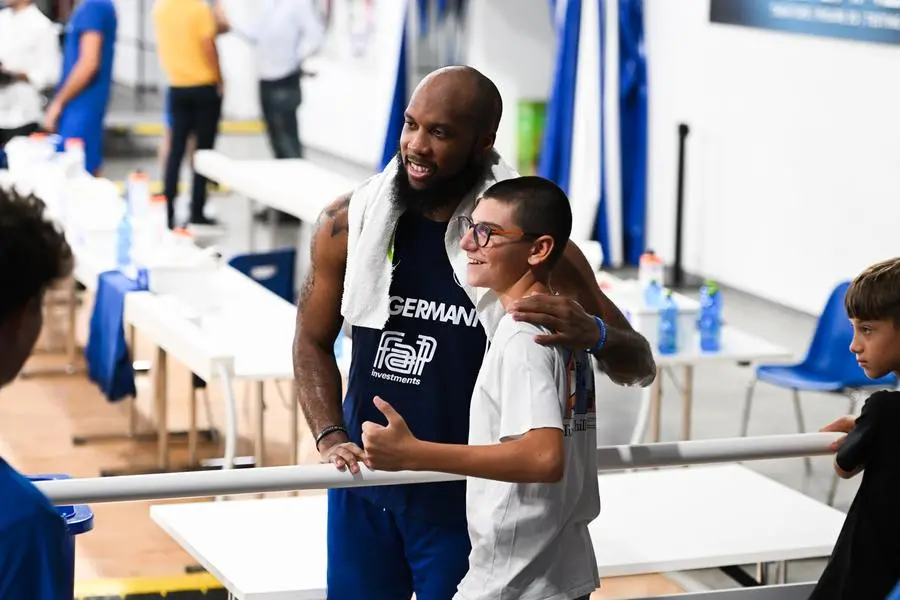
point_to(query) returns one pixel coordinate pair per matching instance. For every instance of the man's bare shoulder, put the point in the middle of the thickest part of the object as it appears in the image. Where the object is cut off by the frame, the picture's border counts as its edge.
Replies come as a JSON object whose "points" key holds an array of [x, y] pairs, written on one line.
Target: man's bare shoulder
{"points": [[335, 218]]}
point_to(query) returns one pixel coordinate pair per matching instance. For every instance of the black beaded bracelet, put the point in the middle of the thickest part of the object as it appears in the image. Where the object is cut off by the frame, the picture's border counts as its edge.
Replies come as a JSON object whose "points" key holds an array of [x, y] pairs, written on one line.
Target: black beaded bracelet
{"points": [[328, 431]]}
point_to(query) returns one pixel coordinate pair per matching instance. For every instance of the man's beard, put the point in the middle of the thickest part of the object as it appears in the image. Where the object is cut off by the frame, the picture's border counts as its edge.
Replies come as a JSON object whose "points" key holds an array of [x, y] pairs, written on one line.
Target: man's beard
{"points": [[440, 194]]}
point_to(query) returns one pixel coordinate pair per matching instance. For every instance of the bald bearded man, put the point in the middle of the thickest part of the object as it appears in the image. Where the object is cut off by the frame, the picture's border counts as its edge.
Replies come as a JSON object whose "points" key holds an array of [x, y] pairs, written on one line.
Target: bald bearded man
{"points": [[418, 338]]}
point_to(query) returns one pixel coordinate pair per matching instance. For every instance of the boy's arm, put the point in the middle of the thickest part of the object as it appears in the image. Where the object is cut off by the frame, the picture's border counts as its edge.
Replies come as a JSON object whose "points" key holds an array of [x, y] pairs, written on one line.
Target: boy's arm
{"points": [[531, 446], [535, 457], [855, 450]]}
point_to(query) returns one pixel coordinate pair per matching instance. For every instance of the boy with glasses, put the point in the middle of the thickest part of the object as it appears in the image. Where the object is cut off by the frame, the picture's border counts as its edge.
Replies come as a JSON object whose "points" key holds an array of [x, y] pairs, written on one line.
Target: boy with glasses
{"points": [[531, 457]]}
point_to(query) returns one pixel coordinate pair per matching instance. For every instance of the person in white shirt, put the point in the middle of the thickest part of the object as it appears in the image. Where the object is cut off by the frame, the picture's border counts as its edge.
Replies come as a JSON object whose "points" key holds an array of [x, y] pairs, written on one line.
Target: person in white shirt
{"points": [[30, 63], [285, 34], [531, 461]]}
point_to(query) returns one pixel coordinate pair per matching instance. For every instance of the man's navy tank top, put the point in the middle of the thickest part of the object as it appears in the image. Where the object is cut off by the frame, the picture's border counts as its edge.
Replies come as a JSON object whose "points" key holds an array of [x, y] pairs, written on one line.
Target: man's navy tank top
{"points": [[424, 363]]}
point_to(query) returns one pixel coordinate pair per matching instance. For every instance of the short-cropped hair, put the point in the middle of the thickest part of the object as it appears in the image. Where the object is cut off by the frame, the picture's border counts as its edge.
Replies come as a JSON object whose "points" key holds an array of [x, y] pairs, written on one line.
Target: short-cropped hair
{"points": [[540, 207], [874, 295]]}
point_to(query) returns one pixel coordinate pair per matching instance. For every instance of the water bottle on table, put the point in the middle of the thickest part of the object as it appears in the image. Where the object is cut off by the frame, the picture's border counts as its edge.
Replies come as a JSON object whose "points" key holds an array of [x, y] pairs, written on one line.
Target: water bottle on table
{"points": [[710, 321], [73, 158], [653, 294], [668, 325], [123, 244]]}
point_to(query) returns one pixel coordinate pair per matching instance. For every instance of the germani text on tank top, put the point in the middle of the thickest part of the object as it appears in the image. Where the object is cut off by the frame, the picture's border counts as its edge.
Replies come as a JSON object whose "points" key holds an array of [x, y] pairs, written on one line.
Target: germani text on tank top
{"points": [[402, 359]]}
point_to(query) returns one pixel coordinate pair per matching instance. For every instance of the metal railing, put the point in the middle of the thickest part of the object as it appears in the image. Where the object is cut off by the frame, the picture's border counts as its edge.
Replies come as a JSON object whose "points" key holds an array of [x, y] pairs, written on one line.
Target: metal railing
{"points": [[310, 477]]}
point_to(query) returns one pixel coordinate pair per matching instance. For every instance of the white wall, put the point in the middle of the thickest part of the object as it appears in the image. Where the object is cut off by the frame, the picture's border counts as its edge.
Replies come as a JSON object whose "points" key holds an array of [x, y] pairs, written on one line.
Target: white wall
{"points": [[345, 106], [793, 181], [125, 66], [513, 43]]}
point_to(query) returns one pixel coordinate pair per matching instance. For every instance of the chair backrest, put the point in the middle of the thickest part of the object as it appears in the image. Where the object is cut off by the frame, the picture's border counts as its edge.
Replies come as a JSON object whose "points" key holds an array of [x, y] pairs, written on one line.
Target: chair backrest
{"points": [[829, 353], [272, 270]]}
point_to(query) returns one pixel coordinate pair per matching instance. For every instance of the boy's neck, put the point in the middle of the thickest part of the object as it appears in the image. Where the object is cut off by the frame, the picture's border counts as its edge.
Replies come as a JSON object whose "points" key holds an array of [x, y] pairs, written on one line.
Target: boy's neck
{"points": [[530, 283]]}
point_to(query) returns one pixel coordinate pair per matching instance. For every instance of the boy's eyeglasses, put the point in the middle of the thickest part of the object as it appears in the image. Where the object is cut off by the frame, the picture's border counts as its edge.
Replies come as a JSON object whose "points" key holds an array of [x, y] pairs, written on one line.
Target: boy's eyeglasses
{"points": [[482, 232]]}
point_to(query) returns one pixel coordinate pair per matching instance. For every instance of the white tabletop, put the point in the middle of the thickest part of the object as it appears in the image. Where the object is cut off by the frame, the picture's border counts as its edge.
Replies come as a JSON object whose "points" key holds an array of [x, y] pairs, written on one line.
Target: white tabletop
{"points": [[295, 186], [651, 521], [736, 346]]}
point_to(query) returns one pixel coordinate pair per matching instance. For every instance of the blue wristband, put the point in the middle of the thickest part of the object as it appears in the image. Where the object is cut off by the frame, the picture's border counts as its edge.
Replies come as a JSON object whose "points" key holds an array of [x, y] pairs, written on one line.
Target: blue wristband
{"points": [[602, 341]]}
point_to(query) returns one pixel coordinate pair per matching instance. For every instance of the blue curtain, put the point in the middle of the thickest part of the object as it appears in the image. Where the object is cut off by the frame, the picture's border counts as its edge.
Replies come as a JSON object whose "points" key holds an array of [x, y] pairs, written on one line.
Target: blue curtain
{"points": [[556, 146], [633, 127], [398, 106]]}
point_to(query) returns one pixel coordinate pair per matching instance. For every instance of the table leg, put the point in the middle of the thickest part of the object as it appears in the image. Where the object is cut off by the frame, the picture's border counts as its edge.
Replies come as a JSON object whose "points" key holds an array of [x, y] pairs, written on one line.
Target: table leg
{"points": [[230, 418], [764, 573], [192, 428], [132, 402], [71, 345], [295, 425], [72, 365], [687, 399], [260, 449], [251, 233], [783, 572], [656, 406], [159, 393], [273, 226]]}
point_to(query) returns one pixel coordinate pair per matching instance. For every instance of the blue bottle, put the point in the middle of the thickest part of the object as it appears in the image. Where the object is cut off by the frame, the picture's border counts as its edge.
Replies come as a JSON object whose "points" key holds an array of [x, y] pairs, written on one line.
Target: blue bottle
{"points": [[668, 325], [123, 243], [653, 294], [710, 321]]}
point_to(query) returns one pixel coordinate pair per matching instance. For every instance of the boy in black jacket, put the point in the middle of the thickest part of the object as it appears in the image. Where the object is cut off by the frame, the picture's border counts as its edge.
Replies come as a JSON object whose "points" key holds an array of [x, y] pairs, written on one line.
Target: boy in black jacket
{"points": [[865, 563]]}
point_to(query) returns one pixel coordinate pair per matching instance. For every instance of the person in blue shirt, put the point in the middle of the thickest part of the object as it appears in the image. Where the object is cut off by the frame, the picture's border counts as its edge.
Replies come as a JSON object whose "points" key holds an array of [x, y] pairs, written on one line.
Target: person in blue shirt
{"points": [[35, 558], [79, 107]]}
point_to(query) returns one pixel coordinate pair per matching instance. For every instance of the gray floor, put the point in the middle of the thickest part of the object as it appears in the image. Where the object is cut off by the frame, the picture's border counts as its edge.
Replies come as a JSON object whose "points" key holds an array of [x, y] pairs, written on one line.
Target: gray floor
{"points": [[718, 390]]}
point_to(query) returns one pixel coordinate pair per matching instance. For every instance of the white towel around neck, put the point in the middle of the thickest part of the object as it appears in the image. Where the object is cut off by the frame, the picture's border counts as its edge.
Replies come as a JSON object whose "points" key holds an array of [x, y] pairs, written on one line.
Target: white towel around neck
{"points": [[373, 219]]}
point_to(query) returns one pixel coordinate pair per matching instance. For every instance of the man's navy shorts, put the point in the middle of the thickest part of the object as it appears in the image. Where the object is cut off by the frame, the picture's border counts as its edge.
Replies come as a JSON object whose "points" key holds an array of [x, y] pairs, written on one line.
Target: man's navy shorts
{"points": [[377, 554]]}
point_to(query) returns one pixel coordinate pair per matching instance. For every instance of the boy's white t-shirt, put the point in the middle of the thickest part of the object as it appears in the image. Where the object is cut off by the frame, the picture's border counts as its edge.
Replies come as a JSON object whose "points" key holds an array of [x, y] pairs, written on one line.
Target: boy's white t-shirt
{"points": [[530, 541]]}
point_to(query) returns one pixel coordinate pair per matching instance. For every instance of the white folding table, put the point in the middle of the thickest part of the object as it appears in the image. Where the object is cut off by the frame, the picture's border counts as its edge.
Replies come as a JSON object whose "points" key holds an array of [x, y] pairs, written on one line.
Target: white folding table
{"points": [[737, 346], [651, 521]]}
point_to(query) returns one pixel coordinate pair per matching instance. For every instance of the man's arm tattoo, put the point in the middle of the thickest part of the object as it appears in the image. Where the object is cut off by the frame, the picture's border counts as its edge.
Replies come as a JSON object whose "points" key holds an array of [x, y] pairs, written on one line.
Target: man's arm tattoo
{"points": [[339, 217]]}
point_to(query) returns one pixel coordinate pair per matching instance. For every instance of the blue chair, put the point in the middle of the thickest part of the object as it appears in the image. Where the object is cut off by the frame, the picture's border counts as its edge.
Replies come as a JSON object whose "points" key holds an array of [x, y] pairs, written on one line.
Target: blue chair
{"points": [[273, 270], [829, 367]]}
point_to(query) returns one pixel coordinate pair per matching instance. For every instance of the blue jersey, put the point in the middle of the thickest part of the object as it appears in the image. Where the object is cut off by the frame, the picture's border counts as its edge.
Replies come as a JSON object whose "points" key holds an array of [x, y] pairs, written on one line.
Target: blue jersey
{"points": [[424, 363], [35, 546], [98, 16]]}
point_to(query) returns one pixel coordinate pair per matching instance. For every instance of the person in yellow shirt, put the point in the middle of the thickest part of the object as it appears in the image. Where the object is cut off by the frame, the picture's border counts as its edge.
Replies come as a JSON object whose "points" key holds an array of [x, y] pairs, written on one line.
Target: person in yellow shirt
{"points": [[186, 44]]}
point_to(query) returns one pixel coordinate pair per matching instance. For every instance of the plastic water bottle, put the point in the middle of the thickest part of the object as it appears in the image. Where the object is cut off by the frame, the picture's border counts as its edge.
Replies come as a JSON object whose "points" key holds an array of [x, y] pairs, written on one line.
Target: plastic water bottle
{"points": [[710, 321], [73, 158], [653, 294], [137, 190], [668, 325], [650, 268], [123, 243]]}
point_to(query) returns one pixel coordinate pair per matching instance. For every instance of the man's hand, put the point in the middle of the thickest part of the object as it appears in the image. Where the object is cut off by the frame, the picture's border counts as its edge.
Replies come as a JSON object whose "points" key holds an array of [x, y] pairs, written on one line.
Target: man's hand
{"points": [[390, 447], [573, 328], [343, 454], [843, 425], [51, 116]]}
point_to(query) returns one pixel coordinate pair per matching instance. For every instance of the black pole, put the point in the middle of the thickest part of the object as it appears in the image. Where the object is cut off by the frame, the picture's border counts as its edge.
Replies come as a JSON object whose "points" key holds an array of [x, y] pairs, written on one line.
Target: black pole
{"points": [[676, 273]]}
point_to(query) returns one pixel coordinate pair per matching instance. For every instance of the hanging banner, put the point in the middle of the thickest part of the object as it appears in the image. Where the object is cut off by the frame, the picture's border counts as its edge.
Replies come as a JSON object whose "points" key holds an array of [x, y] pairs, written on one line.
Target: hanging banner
{"points": [[864, 20]]}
